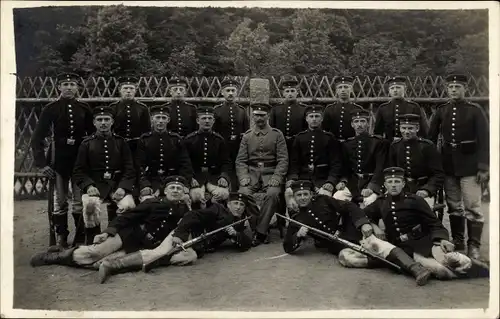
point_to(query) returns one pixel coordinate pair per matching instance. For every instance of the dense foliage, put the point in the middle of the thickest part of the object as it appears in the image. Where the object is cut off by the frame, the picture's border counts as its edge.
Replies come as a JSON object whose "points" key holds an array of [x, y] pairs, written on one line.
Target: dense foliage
{"points": [[158, 41]]}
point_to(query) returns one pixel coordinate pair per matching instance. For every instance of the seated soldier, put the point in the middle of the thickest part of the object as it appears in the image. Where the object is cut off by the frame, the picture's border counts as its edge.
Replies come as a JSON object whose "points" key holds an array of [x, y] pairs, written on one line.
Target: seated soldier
{"points": [[209, 157], [138, 232], [104, 170], [419, 157], [412, 227], [364, 157], [331, 215]]}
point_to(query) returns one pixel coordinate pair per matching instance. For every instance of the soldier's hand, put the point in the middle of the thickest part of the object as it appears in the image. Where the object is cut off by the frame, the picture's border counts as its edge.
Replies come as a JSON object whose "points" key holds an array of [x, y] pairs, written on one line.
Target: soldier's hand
{"points": [[289, 183], [93, 191], [100, 238], [146, 191], [245, 181], [447, 246], [328, 187], [176, 241], [187, 200], [302, 232], [379, 233], [231, 231], [273, 182], [222, 182], [366, 192], [482, 177], [367, 230], [194, 183], [48, 171], [340, 186], [422, 193], [118, 195]]}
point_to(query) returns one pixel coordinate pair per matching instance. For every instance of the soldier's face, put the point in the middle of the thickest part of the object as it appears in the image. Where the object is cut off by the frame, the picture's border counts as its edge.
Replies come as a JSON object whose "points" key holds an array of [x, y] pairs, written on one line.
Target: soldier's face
{"points": [[127, 91], [205, 121], [314, 120], [397, 90], [178, 91], [360, 125], [344, 91], [409, 131], [160, 121], [394, 185], [174, 192], [103, 123], [68, 89], [229, 93], [302, 197], [290, 93], [260, 118], [456, 90], [236, 207]]}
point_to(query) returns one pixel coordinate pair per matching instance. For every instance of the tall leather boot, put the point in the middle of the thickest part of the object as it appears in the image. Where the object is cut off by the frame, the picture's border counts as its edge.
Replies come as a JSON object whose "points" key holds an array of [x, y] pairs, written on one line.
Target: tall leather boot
{"points": [[401, 258], [64, 257], [475, 230], [131, 261], [90, 233], [79, 229], [112, 208], [457, 226], [61, 229]]}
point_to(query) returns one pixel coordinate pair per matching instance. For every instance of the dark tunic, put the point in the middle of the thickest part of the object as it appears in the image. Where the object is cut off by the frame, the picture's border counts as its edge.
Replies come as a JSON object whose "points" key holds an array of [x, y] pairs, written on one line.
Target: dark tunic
{"points": [[387, 118], [182, 117], [231, 121], [337, 119]]}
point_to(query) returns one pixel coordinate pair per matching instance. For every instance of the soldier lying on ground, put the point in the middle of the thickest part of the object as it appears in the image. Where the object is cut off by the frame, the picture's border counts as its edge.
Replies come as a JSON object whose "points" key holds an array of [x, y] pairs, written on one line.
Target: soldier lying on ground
{"points": [[331, 215], [137, 233], [412, 228]]}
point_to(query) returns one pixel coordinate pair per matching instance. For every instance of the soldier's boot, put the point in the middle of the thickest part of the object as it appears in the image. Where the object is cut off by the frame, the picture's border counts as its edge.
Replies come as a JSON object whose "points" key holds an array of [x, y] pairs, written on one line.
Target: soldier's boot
{"points": [[474, 230], [90, 233], [79, 238], [162, 261], [61, 232], [401, 258], [63, 257], [457, 226], [128, 262], [478, 268]]}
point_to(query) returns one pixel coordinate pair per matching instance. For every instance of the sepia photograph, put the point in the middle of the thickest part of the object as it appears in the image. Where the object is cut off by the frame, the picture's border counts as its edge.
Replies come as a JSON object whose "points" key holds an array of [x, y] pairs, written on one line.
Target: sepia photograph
{"points": [[250, 156]]}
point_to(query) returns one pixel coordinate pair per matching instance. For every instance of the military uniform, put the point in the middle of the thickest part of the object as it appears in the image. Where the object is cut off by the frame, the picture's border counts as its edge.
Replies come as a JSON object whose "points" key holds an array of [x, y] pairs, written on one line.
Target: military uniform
{"points": [[465, 152], [72, 122]]}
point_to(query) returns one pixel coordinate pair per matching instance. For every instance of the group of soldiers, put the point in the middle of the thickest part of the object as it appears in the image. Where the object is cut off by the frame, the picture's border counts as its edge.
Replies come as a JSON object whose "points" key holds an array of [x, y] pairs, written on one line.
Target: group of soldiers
{"points": [[176, 171]]}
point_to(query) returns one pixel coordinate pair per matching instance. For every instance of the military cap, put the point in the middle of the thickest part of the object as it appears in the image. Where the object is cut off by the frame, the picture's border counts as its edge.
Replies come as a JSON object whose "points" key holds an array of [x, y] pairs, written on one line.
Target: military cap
{"points": [[344, 80], [128, 80], [314, 109], [205, 110], [175, 179], [102, 110], [396, 80], [302, 185], [409, 119], [67, 77], [163, 109], [229, 82], [457, 78], [289, 82], [238, 196], [264, 107], [177, 81], [358, 113], [391, 172]]}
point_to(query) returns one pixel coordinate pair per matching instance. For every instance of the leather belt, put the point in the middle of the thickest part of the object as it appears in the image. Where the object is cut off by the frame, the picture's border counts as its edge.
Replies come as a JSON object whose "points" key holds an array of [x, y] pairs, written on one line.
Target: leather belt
{"points": [[408, 236], [311, 167], [263, 164], [364, 175], [458, 144], [409, 179], [233, 137], [132, 139]]}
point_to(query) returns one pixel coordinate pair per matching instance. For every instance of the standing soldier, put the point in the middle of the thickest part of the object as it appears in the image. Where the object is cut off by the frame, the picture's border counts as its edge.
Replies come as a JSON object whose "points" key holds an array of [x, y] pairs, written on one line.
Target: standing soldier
{"points": [[420, 159], [337, 118], [262, 164], [364, 157], [231, 121], [161, 153], [288, 117], [104, 168], [210, 159], [465, 153], [387, 118], [315, 154], [71, 121], [182, 113]]}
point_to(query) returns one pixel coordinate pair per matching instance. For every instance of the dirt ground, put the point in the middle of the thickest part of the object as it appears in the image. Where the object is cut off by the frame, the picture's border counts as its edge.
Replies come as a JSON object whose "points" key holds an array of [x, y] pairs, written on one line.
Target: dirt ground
{"points": [[227, 281]]}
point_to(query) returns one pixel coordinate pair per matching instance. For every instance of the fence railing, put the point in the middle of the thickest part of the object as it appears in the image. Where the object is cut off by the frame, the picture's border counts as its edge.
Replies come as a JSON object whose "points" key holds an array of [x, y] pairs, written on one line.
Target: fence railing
{"points": [[34, 92]]}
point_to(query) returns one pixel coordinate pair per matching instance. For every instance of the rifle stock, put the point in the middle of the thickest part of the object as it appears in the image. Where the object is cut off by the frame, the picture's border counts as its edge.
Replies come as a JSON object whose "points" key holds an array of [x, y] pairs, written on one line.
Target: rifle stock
{"points": [[358, 248], [50, 206]]}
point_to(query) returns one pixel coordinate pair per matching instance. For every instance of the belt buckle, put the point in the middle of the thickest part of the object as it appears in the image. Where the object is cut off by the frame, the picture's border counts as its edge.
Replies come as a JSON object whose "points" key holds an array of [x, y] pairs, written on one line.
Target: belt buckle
{"points": [[160, 172], [149, 237], [107, 175], [311, 167], [204, 169], [360, 175], [70, 141], [260, 164], [234, 137], [403, 237], [409, 179]]}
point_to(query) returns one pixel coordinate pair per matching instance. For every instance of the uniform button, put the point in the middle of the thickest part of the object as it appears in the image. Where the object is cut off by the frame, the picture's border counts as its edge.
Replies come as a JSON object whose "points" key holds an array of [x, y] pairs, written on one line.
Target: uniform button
{"points": [[397, 229], [452, 124], [454, 113]]}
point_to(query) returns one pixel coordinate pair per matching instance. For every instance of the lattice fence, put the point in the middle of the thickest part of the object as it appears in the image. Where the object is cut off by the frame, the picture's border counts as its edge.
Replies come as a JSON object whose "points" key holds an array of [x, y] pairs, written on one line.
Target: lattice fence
{"points": [[34, 92]]}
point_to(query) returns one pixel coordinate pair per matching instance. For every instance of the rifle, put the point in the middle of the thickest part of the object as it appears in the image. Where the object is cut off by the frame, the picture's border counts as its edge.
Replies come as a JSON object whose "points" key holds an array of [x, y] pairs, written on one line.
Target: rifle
{"points": [[147, 267], [358, 248], [50, 206]]}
